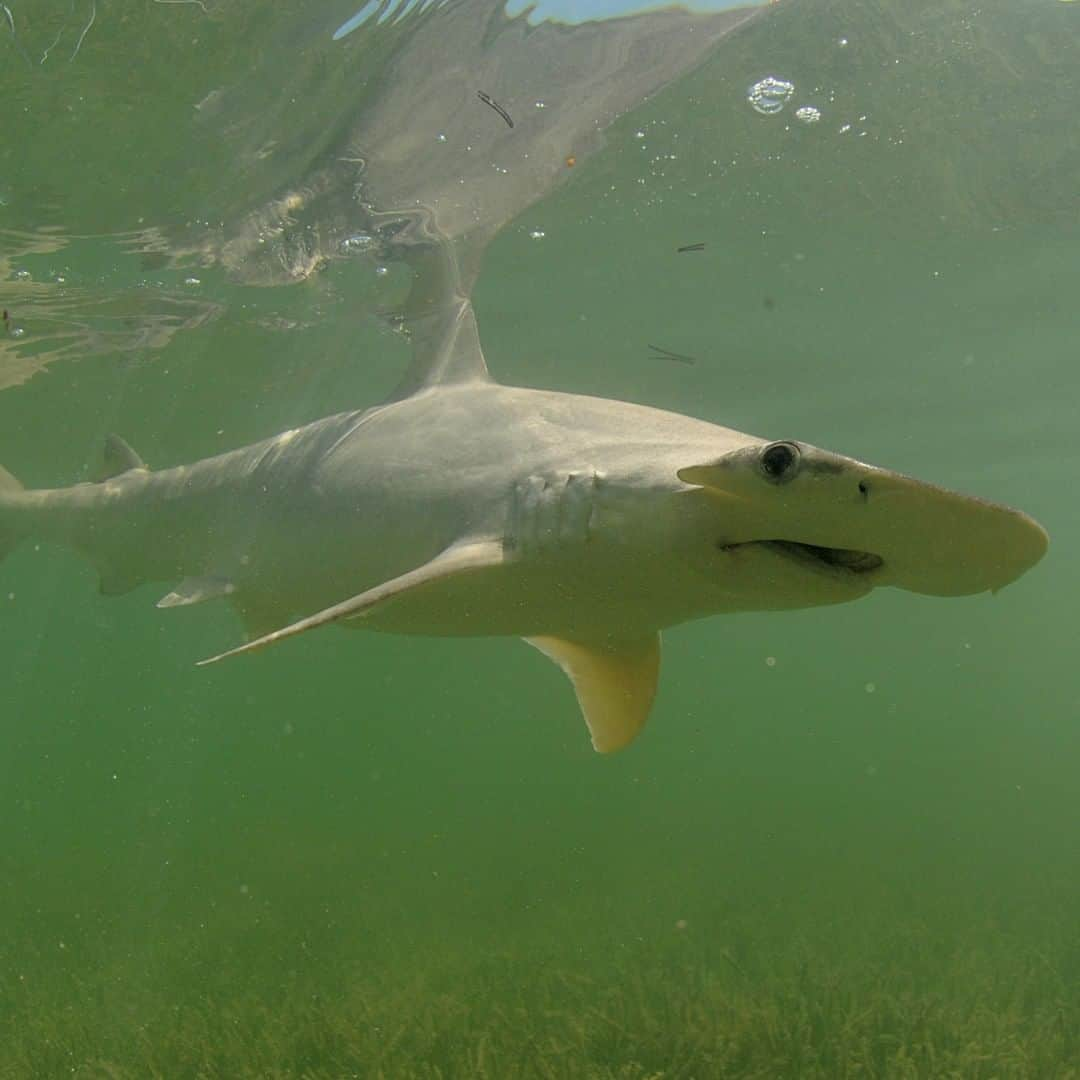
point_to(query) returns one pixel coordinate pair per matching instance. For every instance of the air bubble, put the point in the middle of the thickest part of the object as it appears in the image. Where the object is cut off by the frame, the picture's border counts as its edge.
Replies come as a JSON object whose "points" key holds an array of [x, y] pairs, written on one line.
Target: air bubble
{"points": [[353, 245], [808, 114], [768, 96], [537, 234]]}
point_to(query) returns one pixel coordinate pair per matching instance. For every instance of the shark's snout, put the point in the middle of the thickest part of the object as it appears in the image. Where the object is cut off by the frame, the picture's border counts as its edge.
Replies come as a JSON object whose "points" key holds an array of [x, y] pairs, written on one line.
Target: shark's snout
{"points": [[939, 542]]}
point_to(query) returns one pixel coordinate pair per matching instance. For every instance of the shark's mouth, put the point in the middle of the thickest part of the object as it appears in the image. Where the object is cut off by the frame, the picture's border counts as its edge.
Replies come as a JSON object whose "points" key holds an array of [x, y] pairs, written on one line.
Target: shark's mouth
{"points": [[842, 559]]}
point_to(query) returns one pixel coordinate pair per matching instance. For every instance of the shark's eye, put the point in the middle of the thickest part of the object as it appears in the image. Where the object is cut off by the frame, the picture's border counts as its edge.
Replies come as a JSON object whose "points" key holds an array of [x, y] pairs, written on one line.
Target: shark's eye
{"points": [[779, 461]]}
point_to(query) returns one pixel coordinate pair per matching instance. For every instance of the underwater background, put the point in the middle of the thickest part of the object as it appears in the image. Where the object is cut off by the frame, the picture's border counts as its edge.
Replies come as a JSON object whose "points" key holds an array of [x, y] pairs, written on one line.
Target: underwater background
{"points": [[848, 842]]}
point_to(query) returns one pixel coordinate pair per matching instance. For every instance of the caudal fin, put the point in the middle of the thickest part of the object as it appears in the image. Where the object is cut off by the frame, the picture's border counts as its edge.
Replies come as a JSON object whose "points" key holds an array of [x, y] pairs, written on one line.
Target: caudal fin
{"points": [[9, 536]]}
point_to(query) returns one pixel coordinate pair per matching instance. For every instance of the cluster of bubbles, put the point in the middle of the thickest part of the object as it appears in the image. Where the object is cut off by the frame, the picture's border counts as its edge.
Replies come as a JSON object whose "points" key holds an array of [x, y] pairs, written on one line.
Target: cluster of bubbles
{"points": [[358, 244], [355, 244], [770, 95]]}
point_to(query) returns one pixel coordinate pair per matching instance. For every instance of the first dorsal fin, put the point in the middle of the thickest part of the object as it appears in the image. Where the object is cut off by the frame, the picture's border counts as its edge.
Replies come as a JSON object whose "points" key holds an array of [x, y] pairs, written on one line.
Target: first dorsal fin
{"points": [[441, 322], [118, 457], [446, 350]]}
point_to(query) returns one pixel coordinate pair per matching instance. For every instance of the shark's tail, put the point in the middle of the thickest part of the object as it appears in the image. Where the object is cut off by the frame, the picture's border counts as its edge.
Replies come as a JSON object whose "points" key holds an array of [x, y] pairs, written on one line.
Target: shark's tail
{"points": [[10, 535]]}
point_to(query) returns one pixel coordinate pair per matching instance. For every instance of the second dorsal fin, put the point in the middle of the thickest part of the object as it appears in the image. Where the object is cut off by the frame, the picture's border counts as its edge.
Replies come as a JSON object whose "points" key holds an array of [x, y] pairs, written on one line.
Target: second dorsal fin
{"points": [[117, 458]]}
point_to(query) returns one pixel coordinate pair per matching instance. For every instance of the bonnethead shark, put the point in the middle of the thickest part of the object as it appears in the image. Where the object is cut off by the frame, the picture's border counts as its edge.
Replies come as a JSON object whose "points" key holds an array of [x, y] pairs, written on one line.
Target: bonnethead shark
{"points": [[585, 526], [462, 507]]}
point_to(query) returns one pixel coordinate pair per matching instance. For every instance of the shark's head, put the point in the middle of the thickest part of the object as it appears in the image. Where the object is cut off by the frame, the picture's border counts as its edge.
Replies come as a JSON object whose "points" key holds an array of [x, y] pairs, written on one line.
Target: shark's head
{"points": [[832, 528]]}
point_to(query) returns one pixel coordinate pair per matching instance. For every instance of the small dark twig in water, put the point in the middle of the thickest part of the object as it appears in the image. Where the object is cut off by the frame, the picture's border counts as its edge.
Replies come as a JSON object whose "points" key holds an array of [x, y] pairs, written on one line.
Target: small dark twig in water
{"points": [[691, 247], [667, 354], [731, 960], [487, 100]]}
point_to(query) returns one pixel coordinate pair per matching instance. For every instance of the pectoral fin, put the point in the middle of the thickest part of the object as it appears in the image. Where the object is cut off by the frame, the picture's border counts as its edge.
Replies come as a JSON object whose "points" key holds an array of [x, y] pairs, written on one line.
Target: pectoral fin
{"points": [[615, 683], [458, 559]]}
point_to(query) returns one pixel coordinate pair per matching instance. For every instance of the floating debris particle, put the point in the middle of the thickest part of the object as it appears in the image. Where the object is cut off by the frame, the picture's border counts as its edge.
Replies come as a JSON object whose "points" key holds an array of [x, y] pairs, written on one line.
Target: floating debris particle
{"points": [[86, 30], [490, 101], [667, 354], [691, 247]]}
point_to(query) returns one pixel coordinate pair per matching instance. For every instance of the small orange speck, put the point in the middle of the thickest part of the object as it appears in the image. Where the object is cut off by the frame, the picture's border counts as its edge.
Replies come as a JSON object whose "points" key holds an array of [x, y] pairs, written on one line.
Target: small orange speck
{"points": [[571, 162]]}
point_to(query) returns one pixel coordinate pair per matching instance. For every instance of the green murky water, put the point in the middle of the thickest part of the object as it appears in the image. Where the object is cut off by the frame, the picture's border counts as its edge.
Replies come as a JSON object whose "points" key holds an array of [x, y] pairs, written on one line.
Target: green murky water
{"points": [[846, 844]]}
